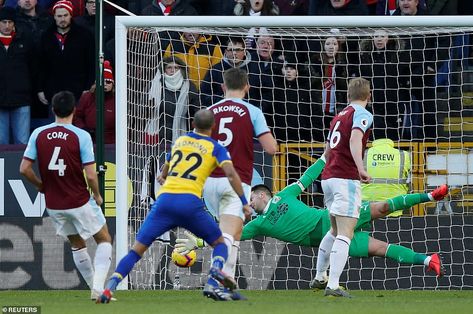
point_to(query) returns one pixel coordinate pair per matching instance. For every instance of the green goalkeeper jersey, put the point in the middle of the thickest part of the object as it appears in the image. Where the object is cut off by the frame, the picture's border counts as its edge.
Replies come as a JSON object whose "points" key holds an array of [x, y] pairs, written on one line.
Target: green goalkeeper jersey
{"points": [[286, 217]]}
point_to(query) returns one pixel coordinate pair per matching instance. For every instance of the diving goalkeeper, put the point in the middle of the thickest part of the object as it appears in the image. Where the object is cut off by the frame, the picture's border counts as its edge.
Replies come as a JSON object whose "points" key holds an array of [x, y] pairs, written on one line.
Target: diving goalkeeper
{"points": [[286, 218]]}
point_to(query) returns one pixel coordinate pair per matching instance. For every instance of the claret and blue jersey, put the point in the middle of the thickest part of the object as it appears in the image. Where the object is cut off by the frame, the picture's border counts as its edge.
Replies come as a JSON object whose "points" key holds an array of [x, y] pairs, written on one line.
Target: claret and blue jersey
{"points": [[62, 150], [341, 164]]}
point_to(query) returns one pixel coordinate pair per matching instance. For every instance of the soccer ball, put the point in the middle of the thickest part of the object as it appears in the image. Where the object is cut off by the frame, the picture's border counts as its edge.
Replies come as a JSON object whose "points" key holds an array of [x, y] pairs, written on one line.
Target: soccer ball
{"points": [[184, 260]]}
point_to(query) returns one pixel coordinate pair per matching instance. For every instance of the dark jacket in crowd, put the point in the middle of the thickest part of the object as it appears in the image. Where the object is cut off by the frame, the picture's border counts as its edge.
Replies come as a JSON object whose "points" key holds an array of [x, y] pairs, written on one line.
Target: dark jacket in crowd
{"points": [[262, 76], [211, 87], [70, 69], [293, 7], [86, 115], [17, 71], [389, 83], [88, 22], [213, 7], [168, 110], [293, 111], [382, 7], [180, 7], [421, 57], [354, 7], [35, 26], [44, 4]]}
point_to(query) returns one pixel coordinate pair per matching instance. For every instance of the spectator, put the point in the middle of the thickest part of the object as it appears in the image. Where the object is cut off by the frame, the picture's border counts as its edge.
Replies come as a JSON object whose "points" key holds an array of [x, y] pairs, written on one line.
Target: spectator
{"points": [[452, 47], [214, 7], [380, 64], [264, 68], [465, 7], [134, 6], [293, 112], [293, 7], [235, 56], [32, 19], [255, 8], [198, 51], [410, 7], [175, 101], [340, 7], [16, 76], [388, 7], [371, 6], [330, 79], [87, 21], [169, 7], [86, 112], [442, 7], [421, 113], [43, 4], [77, 5], [65, 64]]}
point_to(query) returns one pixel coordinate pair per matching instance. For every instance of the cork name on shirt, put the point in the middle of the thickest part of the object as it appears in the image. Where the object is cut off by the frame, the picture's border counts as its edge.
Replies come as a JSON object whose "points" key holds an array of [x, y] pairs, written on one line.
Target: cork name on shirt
{"points": [[59, 135], [237, 109], [199, 146]]}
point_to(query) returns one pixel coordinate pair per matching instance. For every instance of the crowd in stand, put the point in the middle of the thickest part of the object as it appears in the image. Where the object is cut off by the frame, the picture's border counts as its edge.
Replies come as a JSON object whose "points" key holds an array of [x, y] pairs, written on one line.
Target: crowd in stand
{"points": [[47, 46]]}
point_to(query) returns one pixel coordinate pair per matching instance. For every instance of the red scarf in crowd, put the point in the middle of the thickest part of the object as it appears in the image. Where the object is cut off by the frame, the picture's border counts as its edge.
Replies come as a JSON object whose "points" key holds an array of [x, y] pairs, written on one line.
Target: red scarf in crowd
{"points": [[166, 9], [328, 89], [61, 38], [6, 40]]}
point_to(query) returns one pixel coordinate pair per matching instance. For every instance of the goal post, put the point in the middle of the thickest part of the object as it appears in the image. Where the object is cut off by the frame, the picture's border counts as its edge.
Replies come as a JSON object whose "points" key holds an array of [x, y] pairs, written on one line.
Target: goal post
{"points": [[269, 263]]}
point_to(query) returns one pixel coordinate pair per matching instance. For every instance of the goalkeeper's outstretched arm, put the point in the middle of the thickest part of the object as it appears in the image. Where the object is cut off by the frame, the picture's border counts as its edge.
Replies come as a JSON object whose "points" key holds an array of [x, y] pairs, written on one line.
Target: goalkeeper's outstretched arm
{"points": [[309, 176]]}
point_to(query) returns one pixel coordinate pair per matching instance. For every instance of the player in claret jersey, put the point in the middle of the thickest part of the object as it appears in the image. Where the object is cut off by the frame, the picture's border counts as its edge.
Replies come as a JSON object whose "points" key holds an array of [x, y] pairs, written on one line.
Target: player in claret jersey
{"points": [[63, 151], [349, 131], [237, 123]]}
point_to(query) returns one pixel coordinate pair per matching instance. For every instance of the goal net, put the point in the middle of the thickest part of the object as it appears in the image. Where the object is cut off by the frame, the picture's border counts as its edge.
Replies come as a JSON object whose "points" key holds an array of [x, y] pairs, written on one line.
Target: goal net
{"points": [[422, 99]]}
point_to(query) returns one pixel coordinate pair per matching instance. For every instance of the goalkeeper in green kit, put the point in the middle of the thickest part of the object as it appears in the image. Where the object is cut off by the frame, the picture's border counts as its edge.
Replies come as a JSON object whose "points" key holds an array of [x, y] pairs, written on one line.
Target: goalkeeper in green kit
{"points": [[286, 218]]}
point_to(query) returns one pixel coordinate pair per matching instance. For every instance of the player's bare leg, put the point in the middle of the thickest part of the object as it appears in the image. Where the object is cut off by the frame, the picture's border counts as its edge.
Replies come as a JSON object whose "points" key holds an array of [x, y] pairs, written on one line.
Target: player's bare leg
{"points": [[102, 260]]}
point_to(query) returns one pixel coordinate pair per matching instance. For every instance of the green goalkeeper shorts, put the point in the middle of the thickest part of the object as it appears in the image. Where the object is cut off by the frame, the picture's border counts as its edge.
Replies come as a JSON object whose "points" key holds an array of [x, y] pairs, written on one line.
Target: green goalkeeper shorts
{"points": [[364, 221], [359, 244]]}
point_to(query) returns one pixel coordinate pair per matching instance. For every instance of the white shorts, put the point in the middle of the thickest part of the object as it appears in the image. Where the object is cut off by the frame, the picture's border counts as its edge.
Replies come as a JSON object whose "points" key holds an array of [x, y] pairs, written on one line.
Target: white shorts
{"points": [[342, 197], [85, 221], [220, 198]]}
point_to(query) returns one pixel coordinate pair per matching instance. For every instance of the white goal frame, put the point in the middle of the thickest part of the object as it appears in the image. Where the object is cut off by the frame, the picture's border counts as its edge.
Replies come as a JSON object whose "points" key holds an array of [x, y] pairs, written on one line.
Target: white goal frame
{"points": [[123, 22]]}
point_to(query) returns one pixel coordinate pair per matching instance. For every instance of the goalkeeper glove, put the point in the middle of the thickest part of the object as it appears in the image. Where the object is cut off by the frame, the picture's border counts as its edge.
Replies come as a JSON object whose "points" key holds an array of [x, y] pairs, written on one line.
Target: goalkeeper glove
{"points": [[184, 246]]}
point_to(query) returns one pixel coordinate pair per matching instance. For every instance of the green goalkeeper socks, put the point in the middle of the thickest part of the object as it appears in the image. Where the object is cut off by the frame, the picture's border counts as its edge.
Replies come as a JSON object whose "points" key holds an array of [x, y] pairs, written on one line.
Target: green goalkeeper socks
{"points": [[406, 201], [404, 255]]}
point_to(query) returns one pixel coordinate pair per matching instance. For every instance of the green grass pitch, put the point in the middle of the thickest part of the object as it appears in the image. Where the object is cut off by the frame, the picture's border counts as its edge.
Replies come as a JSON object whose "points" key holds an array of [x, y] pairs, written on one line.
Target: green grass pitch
{"points": [[291, 302]]}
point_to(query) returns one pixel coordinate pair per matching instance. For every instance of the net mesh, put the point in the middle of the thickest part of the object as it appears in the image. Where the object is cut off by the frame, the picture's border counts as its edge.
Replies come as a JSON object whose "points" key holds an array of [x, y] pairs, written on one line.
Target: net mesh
{"points": [[422, 98]]}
